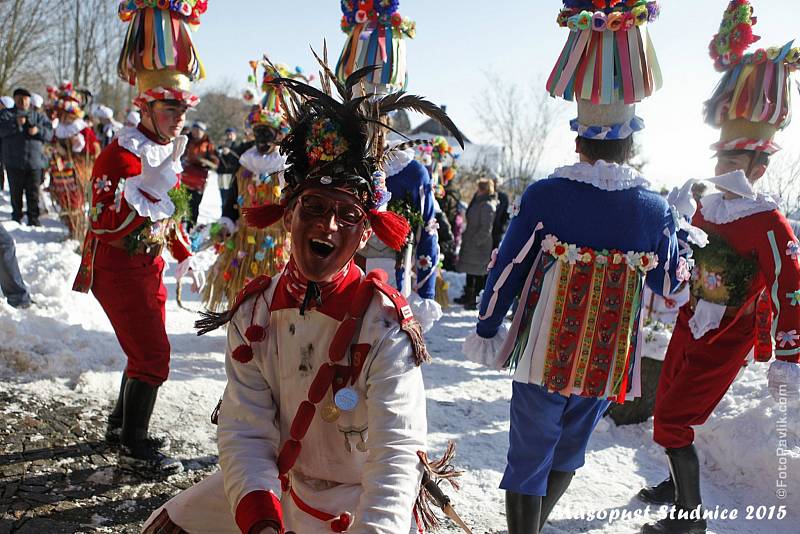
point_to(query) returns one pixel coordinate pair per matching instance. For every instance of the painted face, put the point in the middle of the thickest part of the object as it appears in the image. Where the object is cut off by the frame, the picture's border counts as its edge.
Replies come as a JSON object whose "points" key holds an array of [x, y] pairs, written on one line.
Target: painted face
{"points": [[169, 117], [327, 227]]}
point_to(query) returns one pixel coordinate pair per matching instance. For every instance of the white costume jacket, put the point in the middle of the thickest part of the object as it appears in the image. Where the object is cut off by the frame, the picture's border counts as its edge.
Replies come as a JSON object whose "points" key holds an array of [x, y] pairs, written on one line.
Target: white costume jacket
{"points": [[364, 464]]}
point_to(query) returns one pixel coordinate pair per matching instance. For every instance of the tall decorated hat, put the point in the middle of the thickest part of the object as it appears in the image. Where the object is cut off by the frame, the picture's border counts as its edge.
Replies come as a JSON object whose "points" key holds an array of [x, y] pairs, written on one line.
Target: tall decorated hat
{"points": [[269, 101], [158, 55], [376, 36], [608, 65], [339, 143], [752, 101], [66, 99]]}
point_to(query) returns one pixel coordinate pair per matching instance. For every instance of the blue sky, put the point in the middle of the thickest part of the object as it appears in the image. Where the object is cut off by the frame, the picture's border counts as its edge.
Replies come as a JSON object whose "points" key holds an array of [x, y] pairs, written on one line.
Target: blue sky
{"points": [[457, 41]]}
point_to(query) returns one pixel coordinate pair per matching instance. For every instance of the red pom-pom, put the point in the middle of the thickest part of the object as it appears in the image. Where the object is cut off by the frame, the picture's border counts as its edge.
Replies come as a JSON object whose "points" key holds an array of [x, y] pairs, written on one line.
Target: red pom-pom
{"points": [[361, 300], [288, 456], [342, 523], [741, 38], [302, 420], [321, 384], [390, 228], [342, 340], [242, 353], [264, 216], [255, 333]]}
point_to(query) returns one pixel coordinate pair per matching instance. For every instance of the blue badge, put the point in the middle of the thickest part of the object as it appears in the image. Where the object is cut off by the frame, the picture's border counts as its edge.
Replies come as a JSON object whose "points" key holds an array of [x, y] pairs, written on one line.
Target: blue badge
{"points": [[346, 399]]}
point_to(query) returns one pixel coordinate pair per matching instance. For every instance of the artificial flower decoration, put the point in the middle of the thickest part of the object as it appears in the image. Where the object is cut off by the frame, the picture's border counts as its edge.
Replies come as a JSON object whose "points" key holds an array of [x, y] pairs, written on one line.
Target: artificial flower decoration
{"points": [[794, 296], [793, 250], [572, 254], [601, 15], [190, 9], [787, 338]]}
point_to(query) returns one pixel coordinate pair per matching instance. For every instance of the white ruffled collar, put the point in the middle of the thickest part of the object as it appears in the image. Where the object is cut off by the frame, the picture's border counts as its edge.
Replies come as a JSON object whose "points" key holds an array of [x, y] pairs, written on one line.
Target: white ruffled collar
{"points": [[718, 210], [65, 131], [398, 160], [133, 140], [606, 176], [261, 164]]}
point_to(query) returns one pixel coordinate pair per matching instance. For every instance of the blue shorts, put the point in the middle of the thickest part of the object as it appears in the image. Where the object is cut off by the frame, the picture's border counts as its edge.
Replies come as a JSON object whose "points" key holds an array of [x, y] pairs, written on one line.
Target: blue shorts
{"points": [[548, 432]]}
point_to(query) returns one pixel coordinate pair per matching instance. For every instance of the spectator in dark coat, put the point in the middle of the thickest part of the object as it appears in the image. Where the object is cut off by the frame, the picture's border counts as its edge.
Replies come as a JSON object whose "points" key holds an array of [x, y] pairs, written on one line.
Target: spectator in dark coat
{"points": [[476, 247], [10, 278], [24, 132], [228, 153]]}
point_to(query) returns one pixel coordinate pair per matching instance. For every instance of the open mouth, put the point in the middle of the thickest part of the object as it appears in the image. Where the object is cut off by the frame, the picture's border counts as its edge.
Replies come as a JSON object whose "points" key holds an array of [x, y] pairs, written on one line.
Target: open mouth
{"points": [[321, 248]]}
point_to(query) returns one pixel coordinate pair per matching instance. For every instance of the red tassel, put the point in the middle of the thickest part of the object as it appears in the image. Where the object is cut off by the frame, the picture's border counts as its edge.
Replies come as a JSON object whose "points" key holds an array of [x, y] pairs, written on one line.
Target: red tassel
{"points": [[321, 384], [264, 216], [390, 228], [342, 339]]}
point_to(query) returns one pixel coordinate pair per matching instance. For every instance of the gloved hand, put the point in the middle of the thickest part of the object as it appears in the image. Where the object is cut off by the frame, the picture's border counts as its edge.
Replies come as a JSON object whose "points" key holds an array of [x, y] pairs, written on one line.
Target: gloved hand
{"points": [[783, 379], [189, 266], [158, 179]]}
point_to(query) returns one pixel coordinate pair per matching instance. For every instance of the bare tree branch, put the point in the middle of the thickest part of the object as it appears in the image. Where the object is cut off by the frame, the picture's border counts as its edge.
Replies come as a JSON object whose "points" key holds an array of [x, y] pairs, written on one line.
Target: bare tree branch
{"points": [[520, 119]]}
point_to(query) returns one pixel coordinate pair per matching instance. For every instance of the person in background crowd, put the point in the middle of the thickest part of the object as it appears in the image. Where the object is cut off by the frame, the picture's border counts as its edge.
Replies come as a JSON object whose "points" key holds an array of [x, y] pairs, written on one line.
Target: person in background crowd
{"points": [[6, 102], [24, 131], [501, 217], [477, 246], [106, 127], [11, 282], [228, 155], [199, 158], [132, 119]]}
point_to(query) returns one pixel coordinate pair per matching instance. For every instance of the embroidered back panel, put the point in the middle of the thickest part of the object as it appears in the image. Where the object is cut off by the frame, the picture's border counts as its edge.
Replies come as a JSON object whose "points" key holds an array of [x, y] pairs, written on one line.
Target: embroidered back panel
{"points": [[592, 329]]}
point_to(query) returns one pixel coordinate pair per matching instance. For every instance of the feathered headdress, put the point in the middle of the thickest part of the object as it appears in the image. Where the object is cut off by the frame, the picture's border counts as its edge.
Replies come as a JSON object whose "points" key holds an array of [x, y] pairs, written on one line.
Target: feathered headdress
{"points": [[376, 33], [340, 143], [158, 55], [752, 101], [270, 108], [607, 65]]}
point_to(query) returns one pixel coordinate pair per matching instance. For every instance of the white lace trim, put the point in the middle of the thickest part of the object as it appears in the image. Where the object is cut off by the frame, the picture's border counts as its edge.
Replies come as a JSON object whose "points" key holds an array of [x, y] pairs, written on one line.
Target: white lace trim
{"points": [[707, 316], [155, 211], [65, 131], [398, 160], [260, 164], [485, 351], [605, 176], [135, 141], [718, 210], [426, 311]]}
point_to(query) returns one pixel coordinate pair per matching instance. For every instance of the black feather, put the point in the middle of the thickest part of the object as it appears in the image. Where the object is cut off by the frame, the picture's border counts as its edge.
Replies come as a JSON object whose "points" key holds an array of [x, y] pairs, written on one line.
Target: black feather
{"points": [[416, 103]]}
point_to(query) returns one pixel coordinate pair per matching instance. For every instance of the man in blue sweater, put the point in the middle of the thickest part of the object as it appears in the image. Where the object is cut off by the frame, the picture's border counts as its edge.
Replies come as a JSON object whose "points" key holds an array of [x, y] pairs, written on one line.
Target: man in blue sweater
{"points": [[577, 256]]}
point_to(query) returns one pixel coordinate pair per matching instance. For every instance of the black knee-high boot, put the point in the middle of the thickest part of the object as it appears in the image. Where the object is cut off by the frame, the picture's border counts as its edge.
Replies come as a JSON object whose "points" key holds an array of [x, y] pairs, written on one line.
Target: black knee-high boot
{"points": [[137, 446], [557, 484], [523, 513], [114, 427], [685, 469]]}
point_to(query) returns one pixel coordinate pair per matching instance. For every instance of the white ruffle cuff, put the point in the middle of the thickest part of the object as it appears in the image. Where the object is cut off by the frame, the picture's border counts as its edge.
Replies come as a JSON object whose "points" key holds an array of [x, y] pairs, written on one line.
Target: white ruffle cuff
{"points": [[426, 311], [783, 379], [485, 351], [707, 316], [155, 211]]}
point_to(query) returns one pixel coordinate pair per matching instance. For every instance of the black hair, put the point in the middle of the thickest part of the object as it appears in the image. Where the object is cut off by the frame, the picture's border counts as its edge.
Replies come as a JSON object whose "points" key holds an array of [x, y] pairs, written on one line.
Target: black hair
{"points": [[756, 158], [609, 150]]}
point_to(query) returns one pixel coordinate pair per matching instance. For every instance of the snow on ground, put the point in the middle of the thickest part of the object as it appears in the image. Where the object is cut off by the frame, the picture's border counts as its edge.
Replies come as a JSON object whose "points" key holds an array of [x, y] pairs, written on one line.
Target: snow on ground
{"points": [[64, 348]]}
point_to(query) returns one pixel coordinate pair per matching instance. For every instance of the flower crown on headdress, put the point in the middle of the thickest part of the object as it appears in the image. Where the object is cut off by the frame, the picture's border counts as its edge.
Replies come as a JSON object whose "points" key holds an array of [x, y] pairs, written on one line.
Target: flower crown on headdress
{"points": [[341, 144], [378, 13], [607, 15], [190, 9], [270, 108], [728, 48]]}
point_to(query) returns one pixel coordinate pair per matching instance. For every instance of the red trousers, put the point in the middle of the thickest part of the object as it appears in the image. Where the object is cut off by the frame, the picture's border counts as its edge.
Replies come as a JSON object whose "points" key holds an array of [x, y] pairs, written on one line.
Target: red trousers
{"points": [[695, 376], [131, 291]]}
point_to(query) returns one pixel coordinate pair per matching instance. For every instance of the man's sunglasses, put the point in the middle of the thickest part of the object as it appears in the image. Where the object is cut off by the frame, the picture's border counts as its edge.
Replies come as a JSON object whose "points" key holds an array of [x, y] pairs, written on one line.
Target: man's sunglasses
{"points": [[347, 213]]}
